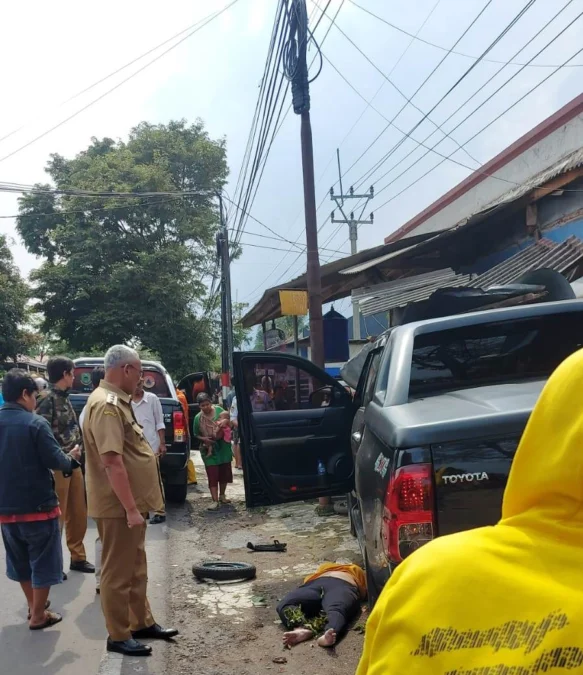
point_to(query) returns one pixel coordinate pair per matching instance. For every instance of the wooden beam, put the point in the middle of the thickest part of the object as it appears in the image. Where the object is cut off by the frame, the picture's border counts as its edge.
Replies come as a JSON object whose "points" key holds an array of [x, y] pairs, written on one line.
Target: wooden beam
{"points": [[556, 184]]}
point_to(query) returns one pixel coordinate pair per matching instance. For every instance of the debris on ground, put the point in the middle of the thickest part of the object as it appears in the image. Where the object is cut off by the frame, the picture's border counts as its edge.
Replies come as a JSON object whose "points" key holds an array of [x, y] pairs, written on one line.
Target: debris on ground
{"points": [[233, 627], [276, 547]]}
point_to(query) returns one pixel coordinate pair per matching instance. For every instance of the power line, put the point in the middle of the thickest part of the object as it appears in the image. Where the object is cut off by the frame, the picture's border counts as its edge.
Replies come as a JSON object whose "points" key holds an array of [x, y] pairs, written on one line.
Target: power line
{"points": [[113, 74], [485, 84], [394, 67], [397, 145], [559, 34], [452, 51], [488, 125], [208, 20], [409, 99]]}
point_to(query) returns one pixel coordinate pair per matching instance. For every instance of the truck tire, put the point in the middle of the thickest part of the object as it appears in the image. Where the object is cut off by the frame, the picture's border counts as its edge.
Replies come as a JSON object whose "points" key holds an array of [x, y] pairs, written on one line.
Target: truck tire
{"points": [[176, 494], [224, 571]]}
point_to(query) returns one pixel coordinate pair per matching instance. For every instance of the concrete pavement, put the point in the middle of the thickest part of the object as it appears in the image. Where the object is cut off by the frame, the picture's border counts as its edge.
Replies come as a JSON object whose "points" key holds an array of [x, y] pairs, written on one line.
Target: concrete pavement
{"points": [[76, 646]]}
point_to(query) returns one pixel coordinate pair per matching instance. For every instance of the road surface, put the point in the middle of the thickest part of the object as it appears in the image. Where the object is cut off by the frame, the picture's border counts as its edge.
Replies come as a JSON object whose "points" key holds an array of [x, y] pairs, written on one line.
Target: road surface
{"points": [[76, 646]]}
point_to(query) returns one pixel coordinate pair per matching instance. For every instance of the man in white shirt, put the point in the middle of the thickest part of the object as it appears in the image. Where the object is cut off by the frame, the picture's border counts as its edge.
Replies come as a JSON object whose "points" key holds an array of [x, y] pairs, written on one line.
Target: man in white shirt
{"points": [[148, 411]]}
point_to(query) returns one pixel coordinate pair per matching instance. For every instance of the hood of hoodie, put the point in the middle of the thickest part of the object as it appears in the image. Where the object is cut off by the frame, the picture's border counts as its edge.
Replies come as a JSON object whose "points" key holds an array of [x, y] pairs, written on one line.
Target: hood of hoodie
{"points": [[508, 599], [545, 485]]}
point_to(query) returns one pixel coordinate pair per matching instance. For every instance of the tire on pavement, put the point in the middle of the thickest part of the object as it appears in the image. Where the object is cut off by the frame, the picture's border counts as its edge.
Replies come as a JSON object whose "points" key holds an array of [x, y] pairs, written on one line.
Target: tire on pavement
{"points": [[224, 571]]}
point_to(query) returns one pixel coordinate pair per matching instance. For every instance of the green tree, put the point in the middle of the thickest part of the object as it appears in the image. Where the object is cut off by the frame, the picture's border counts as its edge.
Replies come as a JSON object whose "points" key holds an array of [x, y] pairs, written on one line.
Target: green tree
{"points": [[130, 270], [14, 294], [284, 323]]}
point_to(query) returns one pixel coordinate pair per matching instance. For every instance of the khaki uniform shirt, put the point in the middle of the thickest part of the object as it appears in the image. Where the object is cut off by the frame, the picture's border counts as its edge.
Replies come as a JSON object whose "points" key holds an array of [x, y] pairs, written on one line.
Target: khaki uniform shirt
{"points": [[109, 425]]}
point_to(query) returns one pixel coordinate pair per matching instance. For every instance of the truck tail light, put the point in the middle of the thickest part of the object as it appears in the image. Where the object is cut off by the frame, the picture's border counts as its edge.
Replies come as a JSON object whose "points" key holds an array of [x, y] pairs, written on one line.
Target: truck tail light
{"points": [[179, 424], [409, 511]]}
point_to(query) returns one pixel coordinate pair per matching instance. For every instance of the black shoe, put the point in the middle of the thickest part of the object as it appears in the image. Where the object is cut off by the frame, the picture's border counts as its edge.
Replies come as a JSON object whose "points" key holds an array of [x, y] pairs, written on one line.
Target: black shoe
{"points": [[129, 647], [156, 520], [82, 566], [98, 591], [155, 632], [64, 576]]}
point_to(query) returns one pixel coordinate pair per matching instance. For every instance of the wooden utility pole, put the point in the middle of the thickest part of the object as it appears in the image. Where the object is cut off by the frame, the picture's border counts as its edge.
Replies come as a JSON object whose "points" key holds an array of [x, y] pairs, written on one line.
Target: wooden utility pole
{"points": [[301, 103], [226, 302]]}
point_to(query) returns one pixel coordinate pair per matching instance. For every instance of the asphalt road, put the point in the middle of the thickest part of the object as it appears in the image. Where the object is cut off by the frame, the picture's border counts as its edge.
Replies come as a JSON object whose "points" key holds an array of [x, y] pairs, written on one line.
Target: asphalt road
{"points": [[76, 646]]}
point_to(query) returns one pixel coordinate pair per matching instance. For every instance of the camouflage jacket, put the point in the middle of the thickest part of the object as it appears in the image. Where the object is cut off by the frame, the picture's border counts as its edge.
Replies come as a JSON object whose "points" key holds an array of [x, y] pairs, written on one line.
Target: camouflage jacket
{"points": [[54, 405]]}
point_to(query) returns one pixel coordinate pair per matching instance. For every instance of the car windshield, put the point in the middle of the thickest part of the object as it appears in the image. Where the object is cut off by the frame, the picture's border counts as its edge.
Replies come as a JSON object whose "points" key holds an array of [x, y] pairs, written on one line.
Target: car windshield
{"points": [[504, 351], [154, 380]]}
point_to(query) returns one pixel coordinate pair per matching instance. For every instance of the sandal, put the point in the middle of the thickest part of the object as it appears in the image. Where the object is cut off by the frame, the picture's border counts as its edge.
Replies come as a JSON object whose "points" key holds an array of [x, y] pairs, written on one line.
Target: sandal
{"points": [[47, 605], [215, 506], [224, 500], [51, 619]]}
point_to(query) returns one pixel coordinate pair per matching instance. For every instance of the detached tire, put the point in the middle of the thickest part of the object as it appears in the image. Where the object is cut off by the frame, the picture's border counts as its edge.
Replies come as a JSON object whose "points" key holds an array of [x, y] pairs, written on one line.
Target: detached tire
{"points": [[224, 571]]}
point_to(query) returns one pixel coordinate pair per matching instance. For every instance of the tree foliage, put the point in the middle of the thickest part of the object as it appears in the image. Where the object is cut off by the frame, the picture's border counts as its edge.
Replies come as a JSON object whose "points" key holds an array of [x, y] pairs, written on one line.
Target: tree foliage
{"points": [[123, 270], [14, 294], [284, 323]]}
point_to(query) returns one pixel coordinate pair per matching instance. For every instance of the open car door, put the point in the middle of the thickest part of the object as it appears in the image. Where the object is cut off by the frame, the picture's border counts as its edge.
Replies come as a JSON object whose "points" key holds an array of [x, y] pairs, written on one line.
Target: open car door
{"points": [[294, 425]]}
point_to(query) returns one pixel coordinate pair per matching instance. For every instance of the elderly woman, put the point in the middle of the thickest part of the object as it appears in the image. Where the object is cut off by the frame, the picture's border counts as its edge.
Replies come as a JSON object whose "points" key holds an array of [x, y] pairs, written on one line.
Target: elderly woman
{"points": [[209, 426]]}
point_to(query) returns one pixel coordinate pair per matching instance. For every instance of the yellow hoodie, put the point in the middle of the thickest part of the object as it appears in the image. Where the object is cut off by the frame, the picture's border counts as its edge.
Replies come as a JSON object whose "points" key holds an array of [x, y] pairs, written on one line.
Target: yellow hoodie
{"points": [[508, 599]]}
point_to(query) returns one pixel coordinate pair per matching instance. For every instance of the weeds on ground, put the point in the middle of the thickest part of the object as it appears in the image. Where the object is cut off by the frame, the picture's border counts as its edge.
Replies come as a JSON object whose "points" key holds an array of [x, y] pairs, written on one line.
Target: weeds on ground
{"points": [[297, 619]]}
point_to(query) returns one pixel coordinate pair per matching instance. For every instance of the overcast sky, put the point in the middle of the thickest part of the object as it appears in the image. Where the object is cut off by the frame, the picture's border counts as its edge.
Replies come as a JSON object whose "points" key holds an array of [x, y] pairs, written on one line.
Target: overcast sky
{"points": [[51, 51]]}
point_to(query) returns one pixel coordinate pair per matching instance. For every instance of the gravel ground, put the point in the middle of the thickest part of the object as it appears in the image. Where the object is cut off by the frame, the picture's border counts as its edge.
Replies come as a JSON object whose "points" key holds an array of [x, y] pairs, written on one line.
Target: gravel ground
{"points": [[233, 628]]}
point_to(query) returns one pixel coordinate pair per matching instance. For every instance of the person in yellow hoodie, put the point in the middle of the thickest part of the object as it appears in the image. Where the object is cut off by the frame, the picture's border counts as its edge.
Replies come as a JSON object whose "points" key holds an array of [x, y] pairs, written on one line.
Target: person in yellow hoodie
{"points": [[335, 591], [508, 599]]}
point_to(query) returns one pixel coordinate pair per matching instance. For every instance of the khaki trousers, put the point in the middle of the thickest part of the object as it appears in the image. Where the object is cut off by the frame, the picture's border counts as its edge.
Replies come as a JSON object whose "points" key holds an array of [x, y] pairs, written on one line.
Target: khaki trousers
{"points": [[124, 578], [162, 511], [71, 494]]}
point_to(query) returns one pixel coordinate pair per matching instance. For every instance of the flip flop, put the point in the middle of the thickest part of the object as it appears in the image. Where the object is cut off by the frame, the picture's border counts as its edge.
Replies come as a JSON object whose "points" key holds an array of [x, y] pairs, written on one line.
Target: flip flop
{"points": [[51, 618], [48, 604]]}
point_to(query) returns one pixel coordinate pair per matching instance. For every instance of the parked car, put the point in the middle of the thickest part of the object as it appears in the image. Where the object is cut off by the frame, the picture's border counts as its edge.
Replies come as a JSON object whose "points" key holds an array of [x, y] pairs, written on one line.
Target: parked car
{"points": [[157, 381], [425, 446]]}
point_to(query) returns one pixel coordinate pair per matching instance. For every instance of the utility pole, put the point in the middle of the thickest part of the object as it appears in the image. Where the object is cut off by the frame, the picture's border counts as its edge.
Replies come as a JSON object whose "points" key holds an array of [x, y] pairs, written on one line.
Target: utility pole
{"points": [[226, 305], [300, 85], [353, 224]]}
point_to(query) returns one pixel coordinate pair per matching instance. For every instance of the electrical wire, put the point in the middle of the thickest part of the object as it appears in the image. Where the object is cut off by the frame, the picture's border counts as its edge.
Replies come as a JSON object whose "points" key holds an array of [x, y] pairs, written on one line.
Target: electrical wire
{"points": [[416, 37], [112, 74], [485, 84], [397, 145], [409, 99], [209, 19], [530, 91], [383, 84], [561, 32]]}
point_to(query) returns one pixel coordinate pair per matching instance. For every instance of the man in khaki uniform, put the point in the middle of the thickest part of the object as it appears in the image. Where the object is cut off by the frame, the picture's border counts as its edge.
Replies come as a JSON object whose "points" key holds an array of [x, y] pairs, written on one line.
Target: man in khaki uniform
{"points": [[123, 485]]}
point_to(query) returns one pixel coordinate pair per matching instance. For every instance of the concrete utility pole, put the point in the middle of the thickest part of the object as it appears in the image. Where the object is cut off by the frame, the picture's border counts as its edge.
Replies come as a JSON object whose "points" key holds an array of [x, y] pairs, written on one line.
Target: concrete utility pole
{"points": [[226, 304], [298, 31], [353, 224]]}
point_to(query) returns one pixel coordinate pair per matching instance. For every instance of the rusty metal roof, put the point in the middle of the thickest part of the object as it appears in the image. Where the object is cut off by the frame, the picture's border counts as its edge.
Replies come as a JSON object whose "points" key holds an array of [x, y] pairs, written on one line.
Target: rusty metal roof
{"points": [[544, 254]]}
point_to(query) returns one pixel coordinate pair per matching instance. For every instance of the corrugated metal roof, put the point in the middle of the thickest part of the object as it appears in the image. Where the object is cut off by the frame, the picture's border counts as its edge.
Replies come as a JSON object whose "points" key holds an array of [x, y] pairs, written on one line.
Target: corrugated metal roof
{"points": [[544, 254], [403, 291], [571, 161]]}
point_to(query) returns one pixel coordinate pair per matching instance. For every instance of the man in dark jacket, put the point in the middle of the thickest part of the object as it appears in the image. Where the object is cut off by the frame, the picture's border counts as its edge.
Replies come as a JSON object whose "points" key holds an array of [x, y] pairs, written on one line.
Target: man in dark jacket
{"points": [[29, 508]]}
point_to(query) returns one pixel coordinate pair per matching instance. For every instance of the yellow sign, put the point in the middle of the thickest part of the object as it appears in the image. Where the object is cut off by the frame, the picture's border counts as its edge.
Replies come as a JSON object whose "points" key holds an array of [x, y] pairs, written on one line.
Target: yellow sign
{"points": [[293, 303]]}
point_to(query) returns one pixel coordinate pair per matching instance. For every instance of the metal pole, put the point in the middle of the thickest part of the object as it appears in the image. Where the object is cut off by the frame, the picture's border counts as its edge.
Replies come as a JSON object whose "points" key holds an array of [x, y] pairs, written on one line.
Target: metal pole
{"points": [[296, 335], [313, 263], [226, 306]]}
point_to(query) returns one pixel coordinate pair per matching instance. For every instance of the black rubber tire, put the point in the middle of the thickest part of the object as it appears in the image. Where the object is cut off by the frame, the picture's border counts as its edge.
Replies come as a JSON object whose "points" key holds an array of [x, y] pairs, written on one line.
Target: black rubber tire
{"points": [[176, 494], [224, 571], [350, 502]]}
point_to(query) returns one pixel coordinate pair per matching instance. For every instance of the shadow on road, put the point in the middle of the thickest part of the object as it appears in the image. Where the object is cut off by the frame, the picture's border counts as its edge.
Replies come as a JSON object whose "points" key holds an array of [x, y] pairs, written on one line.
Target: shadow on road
{"points": [[25, 652]]}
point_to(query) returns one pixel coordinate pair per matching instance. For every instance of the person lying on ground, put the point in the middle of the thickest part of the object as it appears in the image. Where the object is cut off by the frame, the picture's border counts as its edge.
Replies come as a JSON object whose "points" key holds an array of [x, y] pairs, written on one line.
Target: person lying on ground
{"points": [[29, 508], [507, 598], [325, 603]]}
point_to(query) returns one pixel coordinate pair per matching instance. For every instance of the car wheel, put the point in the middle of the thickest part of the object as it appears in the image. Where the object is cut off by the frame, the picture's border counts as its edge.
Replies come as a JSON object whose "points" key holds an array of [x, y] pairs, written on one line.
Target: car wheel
{"points": [[371, 587], [176, 493], [224, 571]]}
